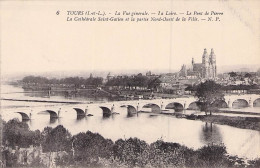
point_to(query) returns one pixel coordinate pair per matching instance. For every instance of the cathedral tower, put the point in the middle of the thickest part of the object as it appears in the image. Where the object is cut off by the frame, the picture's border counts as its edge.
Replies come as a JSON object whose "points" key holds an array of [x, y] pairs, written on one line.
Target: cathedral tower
{"points": [[212, 58], [205, 64]]}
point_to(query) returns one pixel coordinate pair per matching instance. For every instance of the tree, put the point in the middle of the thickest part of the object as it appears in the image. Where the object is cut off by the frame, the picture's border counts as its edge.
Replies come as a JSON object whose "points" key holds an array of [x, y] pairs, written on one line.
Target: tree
{"points": [[232, 74], [133, 151], [90, 146], [154, 83], [16, 133], [248, 75], [58, 139], [209, 93]]}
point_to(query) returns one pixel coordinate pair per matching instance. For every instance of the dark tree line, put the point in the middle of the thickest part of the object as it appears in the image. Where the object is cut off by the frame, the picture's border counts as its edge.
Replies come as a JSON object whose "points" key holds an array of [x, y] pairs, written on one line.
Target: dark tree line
{"points": [[240, 75], [16, 133], [77, 81], [126, 81], [89, 149], [135, 81]]}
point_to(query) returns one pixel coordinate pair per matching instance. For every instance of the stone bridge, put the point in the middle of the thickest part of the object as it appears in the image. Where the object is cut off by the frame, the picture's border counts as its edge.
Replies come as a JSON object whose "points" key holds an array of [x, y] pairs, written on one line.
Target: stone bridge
{"points": [[162, 105]]}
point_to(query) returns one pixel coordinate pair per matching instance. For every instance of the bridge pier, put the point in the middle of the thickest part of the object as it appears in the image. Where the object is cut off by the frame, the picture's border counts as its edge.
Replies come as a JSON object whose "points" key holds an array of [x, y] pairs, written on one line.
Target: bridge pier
{"points": [[137, 108], [250, 102], [229, 104], [162, 106], [184, 106], [112, 108], [131, 110]]}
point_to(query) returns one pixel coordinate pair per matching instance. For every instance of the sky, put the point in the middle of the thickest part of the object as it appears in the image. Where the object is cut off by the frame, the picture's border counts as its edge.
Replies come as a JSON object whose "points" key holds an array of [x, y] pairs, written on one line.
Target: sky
{"points": [[35, 39]]}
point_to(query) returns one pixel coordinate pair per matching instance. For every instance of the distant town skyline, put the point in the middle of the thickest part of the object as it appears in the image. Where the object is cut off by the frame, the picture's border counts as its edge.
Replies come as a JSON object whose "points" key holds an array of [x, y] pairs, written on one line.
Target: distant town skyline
{"points": [[39, 41]]}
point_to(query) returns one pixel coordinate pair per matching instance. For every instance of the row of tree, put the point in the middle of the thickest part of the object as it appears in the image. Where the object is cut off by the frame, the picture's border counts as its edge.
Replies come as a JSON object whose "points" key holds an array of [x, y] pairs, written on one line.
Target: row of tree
{"points": [[240, 75], [135, 81], [77, 81], [126, 81]]}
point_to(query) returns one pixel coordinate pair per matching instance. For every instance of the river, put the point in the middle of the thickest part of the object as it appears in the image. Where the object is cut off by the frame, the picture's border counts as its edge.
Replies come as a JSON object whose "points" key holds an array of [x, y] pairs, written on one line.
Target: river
{"points": [[193, 134]]}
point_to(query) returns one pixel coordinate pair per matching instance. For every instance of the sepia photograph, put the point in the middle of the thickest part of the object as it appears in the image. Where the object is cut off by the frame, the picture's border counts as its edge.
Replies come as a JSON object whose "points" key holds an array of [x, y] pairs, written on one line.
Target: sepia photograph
{"points": [[122, 83]]}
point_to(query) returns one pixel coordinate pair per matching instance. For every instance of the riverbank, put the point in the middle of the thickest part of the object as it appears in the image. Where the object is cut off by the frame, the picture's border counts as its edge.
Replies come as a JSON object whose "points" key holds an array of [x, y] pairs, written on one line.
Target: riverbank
{"points": [[252, 123], [57, 147]]}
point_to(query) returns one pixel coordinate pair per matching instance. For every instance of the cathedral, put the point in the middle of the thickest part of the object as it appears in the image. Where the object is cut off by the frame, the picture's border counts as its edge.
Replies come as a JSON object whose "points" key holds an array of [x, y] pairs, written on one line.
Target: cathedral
{"points": [[205, 70]]}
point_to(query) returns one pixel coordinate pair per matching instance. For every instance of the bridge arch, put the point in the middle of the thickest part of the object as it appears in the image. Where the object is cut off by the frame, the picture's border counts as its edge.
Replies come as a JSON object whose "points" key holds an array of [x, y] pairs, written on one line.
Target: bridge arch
{"points": [[256, 102], [80, 112], [155, 108], [175, 105], [131, 110], [193, 106], [25, 116], [53, 114], [240, 103], [106, 111], [220, 104]]}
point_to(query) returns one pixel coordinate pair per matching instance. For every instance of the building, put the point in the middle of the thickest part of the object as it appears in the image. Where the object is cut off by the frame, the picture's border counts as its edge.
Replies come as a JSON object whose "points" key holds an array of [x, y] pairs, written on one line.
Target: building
{"points": [[171, 83], [205, 70]]}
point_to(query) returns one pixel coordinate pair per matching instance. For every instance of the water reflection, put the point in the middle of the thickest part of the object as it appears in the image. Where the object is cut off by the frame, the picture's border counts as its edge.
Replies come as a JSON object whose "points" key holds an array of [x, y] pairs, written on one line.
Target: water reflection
{"points": [[106, 115], [130, 115], [29, 122], [210, 134], [179, 114], [80, 117], [53, 120], [153, 115]]}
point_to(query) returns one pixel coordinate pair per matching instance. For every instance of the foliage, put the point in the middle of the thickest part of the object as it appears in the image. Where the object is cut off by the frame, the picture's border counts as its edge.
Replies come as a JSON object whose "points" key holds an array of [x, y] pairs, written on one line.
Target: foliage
{"points": [[92, 150], [76, 81], [232, 74], [133, 152], [125, 81], [65, 160], [154, 83], [35, 79], [165, 153], [37, 162], [254, 163], [10, 158], [190, 88], [135, 81], [212, 153], [208, 94], [58, 139], [16, 133], [95, 144], [44, 134]]}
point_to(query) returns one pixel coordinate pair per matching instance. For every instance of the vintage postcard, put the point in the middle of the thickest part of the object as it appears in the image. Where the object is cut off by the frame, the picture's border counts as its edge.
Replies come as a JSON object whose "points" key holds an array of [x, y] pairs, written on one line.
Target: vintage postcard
{"points": [[127, 83]]}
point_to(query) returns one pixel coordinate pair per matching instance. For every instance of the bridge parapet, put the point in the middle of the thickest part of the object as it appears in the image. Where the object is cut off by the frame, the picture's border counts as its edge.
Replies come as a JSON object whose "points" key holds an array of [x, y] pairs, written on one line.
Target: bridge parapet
{"points": [[249, 98], [162, 103]]}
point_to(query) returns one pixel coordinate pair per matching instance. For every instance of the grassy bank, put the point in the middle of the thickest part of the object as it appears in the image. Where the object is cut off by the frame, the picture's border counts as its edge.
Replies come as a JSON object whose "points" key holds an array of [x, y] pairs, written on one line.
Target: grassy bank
{"points": [[252, 123]]}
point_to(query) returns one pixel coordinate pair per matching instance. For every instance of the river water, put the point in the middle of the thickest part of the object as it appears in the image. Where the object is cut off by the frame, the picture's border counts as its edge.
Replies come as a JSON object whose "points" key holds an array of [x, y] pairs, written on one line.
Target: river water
{"points": [[193, 134]]}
